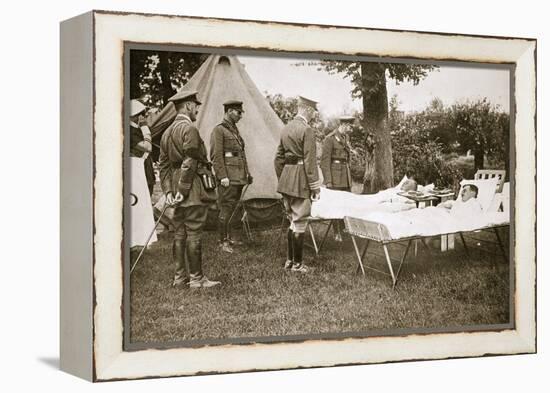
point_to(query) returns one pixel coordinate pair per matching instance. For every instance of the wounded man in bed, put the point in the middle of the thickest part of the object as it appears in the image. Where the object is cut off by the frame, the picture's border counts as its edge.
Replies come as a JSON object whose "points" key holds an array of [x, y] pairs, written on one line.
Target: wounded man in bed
{"points": [[391, 195], [467, 204]]}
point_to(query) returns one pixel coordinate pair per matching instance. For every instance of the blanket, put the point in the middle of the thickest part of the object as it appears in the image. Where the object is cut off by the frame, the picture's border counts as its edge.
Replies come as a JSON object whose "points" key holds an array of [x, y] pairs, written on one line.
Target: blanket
{"points": [[433, 221], [335, 204]]}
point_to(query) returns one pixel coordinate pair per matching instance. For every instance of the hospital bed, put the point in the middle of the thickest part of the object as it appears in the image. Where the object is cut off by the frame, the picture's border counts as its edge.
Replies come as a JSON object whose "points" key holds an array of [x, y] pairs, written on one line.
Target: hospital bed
{"points": [[386, 229], [335, 205]]}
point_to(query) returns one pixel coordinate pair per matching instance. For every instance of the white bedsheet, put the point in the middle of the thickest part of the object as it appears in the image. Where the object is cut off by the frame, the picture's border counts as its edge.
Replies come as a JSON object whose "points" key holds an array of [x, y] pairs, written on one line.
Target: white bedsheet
{"points": [[433, 221], [335, 204]]}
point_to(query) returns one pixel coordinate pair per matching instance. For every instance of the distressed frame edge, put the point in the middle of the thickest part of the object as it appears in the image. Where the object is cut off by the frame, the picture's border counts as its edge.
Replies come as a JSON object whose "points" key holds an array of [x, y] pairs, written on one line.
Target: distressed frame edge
{"points": [[76, 197], [525, 338]]}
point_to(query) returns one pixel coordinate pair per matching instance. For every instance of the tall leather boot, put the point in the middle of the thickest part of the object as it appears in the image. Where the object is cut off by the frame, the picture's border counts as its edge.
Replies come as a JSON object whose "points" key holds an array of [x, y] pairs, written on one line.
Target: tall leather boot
{"points": [[181, 277], [298, 265], [194, 256], [289, 249], [225, 244]]}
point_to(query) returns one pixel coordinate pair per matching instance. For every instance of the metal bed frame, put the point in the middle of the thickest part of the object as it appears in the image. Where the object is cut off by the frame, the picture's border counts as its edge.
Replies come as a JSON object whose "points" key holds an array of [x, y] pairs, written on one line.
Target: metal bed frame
{"points": [[377, 232]]}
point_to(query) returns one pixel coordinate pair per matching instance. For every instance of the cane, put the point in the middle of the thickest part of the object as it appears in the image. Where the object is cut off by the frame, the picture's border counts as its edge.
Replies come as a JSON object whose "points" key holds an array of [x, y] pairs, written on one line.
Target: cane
{"points": [[149, 238], [241, 202]]}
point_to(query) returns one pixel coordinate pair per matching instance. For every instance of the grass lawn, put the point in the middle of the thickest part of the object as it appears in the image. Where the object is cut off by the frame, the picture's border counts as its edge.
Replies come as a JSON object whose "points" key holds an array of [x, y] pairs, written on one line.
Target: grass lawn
{"points": [[258, 298]]}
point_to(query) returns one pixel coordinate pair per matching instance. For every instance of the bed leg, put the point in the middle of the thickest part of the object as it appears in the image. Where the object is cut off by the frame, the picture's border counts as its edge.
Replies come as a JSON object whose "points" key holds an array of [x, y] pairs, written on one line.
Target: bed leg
{"points": [[359, 258], [363, 254], [313, 239], [423, 241], [465, 247], [325, 236], [390, 267], [403, 257], [501, 246]]}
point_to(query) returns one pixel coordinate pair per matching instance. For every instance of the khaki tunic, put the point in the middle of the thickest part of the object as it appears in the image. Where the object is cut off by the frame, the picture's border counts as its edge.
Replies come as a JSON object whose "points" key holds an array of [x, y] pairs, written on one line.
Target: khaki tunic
{"points": [[335, 161], [227, 154], [298, 142], [182, 159]]}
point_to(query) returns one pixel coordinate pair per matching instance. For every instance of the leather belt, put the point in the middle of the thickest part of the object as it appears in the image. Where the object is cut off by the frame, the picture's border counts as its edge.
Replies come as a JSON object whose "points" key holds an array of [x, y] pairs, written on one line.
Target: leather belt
{"points": [[294, 162], [231, 154], [339, 162]]}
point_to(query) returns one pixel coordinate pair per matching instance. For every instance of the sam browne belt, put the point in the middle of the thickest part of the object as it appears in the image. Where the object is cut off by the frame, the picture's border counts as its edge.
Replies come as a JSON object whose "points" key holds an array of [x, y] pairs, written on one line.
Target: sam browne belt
{"points": [[293, 160]]}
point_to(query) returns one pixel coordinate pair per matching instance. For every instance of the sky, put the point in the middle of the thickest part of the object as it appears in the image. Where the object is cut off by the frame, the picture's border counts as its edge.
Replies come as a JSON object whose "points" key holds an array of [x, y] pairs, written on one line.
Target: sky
{"points": [[451, 84]]}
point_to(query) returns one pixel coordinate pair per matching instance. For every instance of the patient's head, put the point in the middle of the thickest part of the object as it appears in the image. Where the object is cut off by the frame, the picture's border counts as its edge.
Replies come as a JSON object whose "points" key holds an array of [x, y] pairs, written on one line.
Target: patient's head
{"points": [[469, 191], [409, 185]]}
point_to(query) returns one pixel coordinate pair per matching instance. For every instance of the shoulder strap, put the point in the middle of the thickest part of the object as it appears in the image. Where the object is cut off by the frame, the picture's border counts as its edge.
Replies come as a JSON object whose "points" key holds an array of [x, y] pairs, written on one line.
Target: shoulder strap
{"points": [[176, 146]]}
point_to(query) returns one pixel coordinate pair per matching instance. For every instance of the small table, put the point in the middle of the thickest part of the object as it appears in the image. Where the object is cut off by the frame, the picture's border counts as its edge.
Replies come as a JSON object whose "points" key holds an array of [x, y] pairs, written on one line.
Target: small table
{"points": [[417, 198], [447, 241]]}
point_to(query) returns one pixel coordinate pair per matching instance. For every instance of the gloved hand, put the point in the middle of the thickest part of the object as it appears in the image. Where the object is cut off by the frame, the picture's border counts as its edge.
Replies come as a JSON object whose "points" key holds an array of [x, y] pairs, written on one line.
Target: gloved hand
{"points": [[315, 195], [224, 182], [174, 200]]}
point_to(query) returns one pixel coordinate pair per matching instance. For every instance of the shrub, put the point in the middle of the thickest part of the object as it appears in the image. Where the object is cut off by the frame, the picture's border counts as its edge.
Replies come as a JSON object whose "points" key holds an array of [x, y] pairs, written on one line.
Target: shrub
{"points": [[414, 154]]}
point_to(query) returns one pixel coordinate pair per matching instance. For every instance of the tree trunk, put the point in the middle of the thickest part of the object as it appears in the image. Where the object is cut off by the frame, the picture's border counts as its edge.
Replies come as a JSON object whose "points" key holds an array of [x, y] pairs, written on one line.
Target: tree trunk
{"points": [[479, 159], [375, 122], [164, 69]]}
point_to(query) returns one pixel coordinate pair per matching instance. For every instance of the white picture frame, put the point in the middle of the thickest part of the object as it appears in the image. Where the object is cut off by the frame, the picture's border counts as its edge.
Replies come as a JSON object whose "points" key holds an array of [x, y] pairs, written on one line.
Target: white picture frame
{"points": [[92, 273]]}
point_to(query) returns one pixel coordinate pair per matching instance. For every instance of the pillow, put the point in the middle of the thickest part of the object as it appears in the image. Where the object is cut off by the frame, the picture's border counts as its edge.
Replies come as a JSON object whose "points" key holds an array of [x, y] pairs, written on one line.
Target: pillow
{"points": [[426, 188], [398, 186], [486, 191]]}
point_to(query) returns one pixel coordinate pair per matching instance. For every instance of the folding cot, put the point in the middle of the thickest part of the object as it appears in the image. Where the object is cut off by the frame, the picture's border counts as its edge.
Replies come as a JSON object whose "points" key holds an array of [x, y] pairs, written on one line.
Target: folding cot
{"points": [[383, 230]]}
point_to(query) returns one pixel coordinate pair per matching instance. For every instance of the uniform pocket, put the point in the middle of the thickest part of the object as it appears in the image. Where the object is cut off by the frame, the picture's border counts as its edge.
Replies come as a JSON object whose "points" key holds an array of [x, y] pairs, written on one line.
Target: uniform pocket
{"points": [[235, 168], [339, 175]]}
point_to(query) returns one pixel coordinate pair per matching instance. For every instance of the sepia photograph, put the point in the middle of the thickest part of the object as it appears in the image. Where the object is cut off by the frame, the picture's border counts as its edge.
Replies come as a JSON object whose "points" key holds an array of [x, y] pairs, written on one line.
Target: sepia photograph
{"points": [[280, 197]]}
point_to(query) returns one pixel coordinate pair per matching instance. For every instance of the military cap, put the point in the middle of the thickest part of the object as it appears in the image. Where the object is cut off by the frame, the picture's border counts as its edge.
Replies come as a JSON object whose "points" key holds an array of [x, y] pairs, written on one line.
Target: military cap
{"points": [[346, 119], [185, 95], [136, 107], [233, 104], [307, 102]]}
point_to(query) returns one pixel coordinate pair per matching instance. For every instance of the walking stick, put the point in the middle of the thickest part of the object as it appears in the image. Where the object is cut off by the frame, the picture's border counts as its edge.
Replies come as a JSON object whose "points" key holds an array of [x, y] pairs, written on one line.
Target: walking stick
{"points": [[149, 238], [241, 203]]}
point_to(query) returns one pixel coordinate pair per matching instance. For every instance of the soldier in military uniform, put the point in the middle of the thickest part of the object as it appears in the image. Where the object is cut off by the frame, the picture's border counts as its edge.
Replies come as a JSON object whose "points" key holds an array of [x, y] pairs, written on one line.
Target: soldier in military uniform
{"points": [[335, 159], [183, 162], [296, 168], [228, 158]]}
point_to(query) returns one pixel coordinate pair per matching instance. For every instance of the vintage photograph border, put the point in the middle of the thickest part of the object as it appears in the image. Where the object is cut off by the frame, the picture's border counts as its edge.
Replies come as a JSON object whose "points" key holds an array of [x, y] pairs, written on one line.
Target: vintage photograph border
{"points": [[379, 332], [112, 30]]}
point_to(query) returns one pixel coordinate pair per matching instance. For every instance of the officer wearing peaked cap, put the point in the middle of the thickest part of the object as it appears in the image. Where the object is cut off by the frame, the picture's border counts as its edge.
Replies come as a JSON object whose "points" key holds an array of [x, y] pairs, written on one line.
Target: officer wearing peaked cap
{"points": [[228, 156], [335, 159], [296, 168], [184, 175]]}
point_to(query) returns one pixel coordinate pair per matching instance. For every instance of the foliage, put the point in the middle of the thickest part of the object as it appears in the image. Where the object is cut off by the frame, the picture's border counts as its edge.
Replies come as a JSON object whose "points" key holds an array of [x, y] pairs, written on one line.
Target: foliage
{"points": [[287, 108], [156, 75], [413, 73], [369, 83], [482, 128], [420, 157]]}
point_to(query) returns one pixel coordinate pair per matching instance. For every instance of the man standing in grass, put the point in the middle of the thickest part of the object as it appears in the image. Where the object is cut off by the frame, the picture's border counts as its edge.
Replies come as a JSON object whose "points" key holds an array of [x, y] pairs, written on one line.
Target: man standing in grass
{"points": [[296, 168], [335, 163], [230, 166], [182, 161]]}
